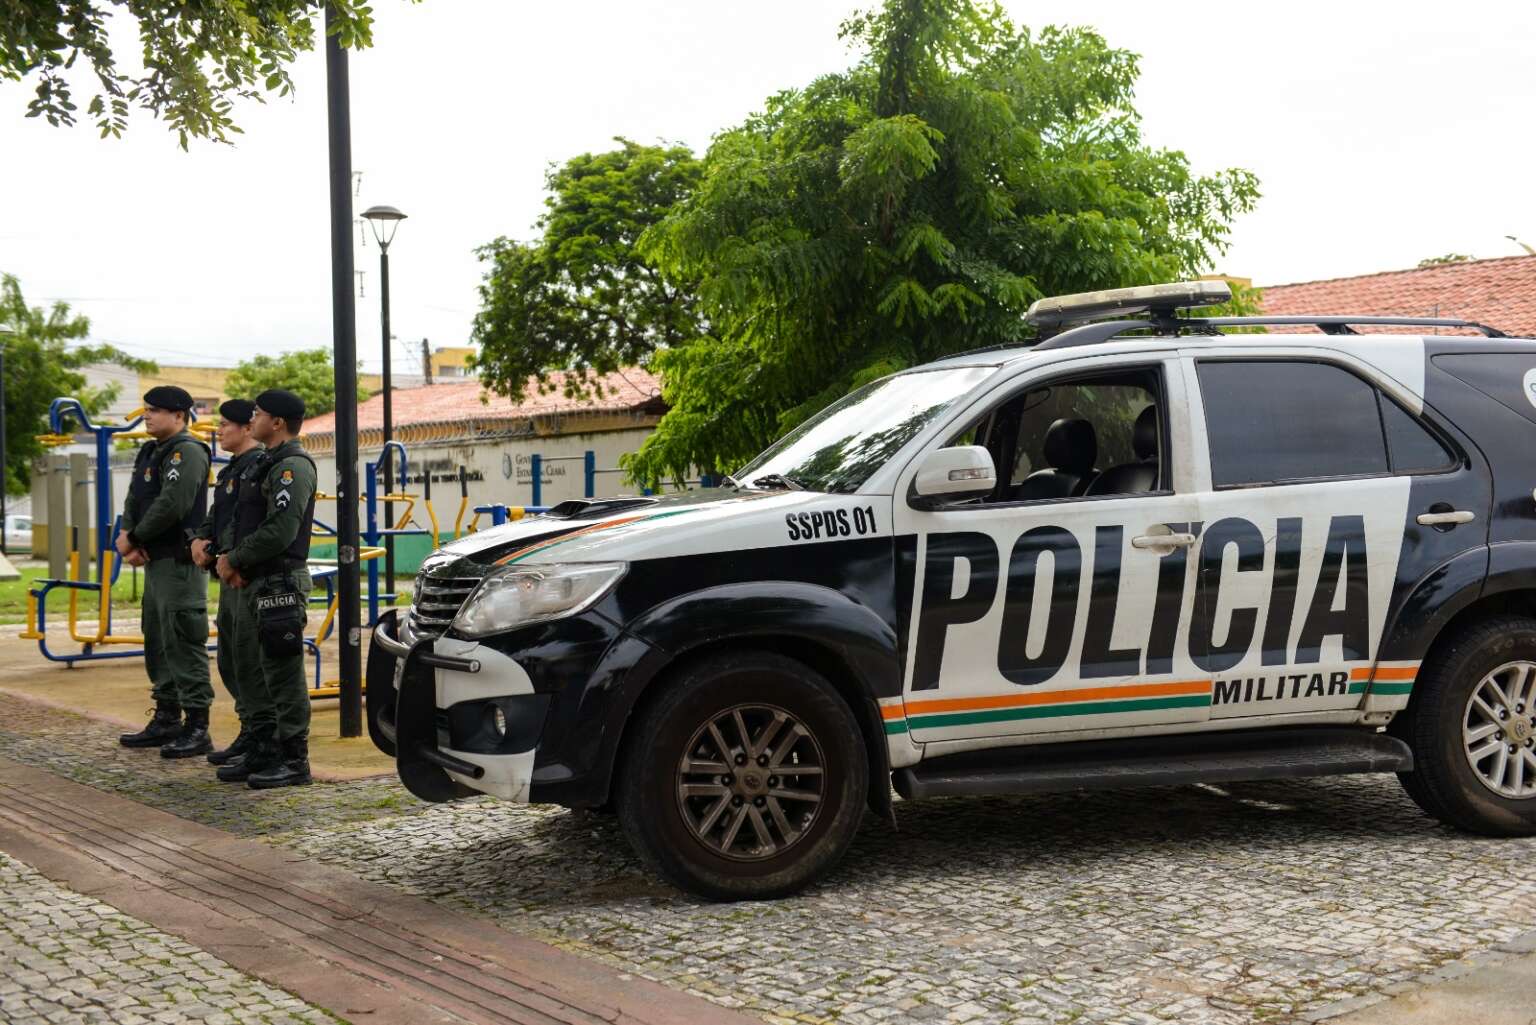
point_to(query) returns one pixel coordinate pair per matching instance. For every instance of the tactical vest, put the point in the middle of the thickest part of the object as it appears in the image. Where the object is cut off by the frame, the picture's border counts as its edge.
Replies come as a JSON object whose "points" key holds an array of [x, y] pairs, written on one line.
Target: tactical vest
{"points": [[251, 510], [149, 468], [226, 493]]}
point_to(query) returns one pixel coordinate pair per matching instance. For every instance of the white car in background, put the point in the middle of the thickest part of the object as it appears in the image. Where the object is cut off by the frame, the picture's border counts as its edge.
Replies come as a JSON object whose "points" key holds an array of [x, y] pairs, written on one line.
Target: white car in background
{"points": [[18, 533]]}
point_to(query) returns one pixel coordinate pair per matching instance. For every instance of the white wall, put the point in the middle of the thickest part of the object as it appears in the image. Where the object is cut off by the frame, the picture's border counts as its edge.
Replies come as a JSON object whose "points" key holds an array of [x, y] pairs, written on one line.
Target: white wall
{"points": [[500, 471]]}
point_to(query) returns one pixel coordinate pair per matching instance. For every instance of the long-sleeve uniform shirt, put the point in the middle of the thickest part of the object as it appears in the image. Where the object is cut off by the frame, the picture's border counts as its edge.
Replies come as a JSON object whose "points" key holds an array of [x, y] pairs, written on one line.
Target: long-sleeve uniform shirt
{"points": [[288, 489], [181, 464], [219, 525]]}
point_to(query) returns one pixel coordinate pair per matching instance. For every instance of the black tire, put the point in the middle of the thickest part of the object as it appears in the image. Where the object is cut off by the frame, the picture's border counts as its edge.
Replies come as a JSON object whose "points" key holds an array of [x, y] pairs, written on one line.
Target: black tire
{"points": [[1444, 782], [667, 828]]}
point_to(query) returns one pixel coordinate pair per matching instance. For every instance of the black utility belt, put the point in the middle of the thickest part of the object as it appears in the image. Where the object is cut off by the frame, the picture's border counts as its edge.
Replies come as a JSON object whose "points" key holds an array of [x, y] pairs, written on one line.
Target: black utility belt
{"points": [[181, 551], [272, 569]]}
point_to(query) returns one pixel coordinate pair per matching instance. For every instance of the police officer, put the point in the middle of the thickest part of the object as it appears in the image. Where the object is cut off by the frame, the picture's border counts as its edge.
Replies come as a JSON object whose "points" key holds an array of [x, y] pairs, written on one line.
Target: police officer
{"points": [[165, 503], [237, 656], [268, 564]]}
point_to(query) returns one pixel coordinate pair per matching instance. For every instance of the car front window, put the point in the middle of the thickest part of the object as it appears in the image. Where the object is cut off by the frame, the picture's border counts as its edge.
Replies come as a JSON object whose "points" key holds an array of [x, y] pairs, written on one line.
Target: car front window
{"points": [[841, 447]]}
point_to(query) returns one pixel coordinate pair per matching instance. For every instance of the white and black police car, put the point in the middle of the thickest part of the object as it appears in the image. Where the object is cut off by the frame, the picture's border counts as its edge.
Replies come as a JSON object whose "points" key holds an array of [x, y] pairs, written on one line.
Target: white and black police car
{"points": [[1140, 551]]}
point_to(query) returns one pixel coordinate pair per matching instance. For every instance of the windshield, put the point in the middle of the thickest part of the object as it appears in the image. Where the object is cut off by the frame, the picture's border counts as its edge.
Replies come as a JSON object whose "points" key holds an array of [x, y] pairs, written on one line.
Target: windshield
{"points": [[839, 448]]}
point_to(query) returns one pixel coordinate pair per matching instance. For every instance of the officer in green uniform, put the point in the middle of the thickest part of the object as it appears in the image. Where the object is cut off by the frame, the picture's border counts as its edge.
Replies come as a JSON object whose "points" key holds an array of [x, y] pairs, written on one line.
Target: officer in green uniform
{"points": [[274, 515], [237, 656], [165, 504]]}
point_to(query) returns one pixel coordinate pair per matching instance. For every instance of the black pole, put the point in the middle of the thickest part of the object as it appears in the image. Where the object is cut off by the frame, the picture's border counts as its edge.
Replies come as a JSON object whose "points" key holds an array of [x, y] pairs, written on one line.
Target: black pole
{"points": [[344, 333], [389, 426]]}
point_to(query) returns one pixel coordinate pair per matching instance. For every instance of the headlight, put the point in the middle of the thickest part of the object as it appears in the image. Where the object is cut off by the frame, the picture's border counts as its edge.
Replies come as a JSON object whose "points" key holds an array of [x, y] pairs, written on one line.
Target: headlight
{"points": [[516, 595]]}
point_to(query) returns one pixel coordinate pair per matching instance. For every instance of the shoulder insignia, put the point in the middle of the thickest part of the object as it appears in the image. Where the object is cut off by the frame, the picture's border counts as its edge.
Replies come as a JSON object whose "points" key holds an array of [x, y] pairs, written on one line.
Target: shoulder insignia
{"points": [[172, 474], [285, 478], [149, 473], [229, 486], [175, 458], [282, 498]]}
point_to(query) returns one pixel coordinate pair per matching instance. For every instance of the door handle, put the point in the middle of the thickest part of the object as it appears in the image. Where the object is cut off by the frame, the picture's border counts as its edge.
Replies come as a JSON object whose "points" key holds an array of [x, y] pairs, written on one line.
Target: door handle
{"points": [[1445, 519], [1163, 541]]}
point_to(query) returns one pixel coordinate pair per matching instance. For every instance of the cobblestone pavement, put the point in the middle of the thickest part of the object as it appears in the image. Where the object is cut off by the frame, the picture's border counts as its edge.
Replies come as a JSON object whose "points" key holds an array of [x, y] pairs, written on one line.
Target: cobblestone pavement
{"points": [[1221, 905], [65, 958]]}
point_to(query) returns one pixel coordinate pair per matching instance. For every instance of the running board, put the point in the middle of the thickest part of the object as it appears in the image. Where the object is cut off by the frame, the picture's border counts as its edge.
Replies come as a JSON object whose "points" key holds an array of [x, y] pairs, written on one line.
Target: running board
{"points": [[1156, 761]]}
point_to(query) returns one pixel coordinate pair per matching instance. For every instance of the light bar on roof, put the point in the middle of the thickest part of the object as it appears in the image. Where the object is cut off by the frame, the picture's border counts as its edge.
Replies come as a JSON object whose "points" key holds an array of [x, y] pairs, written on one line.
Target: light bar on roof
{"points": [[1114, 302]]}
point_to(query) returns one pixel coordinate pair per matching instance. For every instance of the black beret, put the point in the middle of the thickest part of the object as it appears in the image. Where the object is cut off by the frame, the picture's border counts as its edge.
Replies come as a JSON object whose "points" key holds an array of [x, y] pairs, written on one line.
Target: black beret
{"points": [[168, 396], [238, 411], [277, 402]]}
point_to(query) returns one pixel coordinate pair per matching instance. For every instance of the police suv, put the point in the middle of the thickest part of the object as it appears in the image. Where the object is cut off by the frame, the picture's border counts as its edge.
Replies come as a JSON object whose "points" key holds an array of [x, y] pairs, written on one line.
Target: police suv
{"points": [[1140, 551]]}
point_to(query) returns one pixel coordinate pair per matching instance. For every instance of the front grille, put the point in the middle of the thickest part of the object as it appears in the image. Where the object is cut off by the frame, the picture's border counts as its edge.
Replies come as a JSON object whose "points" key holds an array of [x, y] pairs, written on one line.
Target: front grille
{"points": [[437, 601]]}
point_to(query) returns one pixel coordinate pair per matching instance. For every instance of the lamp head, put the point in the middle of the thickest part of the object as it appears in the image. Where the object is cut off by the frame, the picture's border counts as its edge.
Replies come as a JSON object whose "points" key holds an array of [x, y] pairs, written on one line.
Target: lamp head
{"points": [[384, 220]]}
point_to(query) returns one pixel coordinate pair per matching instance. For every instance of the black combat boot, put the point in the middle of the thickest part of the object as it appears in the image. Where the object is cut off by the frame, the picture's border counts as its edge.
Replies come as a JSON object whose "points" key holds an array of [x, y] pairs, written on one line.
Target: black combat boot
{"points": [[241, 745], [292, 771], [194, 739], [262, 755], [163, 727]]}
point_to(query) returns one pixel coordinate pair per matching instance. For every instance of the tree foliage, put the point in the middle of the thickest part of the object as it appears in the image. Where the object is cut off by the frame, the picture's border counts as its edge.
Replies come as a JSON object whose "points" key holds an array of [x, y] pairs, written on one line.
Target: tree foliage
{"points": [[198, 56], [40, 366], [911, 207], [307, 373], [580, 297]]}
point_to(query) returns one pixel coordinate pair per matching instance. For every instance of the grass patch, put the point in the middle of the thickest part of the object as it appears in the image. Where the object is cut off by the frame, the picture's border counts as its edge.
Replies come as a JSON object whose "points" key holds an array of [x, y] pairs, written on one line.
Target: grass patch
{"points": [[126, 595]]}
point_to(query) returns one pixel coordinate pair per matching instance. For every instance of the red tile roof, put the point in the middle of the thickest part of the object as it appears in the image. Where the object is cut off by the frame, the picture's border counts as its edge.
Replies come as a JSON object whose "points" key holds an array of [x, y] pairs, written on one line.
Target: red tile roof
{"points": [[1501, 293], [628, 389]]}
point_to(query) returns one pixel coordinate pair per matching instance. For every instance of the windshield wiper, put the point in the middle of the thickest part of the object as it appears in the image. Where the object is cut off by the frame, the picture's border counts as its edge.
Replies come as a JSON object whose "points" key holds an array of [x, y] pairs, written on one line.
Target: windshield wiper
{"points": [[778, 480]]}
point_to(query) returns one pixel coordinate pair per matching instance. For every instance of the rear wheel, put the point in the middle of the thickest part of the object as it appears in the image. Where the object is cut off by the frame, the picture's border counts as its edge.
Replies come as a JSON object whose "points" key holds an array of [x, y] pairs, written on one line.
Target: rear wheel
{"points": [[746, 779], [1473, 732]]}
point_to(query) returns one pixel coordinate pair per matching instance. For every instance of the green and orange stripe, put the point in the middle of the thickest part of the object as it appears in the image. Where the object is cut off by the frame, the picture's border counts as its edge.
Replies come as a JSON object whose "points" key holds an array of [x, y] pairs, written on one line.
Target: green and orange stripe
{"points": [[1386, 680], [900, 717], [1136, 697]]}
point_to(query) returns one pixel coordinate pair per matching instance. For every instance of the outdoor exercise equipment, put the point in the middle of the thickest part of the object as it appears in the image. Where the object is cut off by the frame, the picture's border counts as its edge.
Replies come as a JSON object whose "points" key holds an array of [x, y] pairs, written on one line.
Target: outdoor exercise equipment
{"points": [[99, 642], [108, 562], [589, 474]]}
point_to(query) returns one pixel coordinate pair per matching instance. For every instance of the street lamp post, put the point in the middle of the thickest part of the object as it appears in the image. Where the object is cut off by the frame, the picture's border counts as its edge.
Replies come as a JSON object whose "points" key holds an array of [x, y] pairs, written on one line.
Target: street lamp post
{"points": [[385, 221]]}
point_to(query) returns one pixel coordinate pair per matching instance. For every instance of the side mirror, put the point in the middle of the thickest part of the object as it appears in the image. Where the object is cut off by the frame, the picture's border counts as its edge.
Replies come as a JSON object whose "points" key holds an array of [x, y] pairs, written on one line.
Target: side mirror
{"points": [[945, 474]]}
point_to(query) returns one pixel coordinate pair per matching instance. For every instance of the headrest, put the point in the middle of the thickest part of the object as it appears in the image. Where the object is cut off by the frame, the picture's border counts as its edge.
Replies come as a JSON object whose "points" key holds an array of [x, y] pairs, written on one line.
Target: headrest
{"points": [[1144, 435], [1071, 445]]}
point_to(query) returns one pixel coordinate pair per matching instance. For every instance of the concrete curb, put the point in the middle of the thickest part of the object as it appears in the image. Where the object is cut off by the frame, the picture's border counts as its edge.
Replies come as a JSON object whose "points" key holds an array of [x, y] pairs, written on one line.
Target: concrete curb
{"points": [[351, 947]]}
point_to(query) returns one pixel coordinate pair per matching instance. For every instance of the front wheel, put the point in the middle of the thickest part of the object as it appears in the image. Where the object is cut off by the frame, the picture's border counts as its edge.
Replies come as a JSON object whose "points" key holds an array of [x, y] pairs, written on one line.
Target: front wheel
{"points": [[1473, 732], [746, 779]]}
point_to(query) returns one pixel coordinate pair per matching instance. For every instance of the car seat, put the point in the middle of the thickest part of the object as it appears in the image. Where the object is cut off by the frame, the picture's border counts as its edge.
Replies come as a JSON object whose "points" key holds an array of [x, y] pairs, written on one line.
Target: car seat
{"points": [[1070, 450], [1140, 476]]}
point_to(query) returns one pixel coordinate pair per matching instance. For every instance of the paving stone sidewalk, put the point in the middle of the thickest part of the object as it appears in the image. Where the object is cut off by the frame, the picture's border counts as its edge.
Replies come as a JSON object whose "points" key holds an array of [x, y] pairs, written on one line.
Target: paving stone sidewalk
{"points": [[1231, 905], [65, 959]]}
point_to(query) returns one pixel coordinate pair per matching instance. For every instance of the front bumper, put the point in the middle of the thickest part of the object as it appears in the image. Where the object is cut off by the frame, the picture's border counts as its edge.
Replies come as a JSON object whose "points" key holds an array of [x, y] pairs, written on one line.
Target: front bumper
{"points": [[458, 717]]}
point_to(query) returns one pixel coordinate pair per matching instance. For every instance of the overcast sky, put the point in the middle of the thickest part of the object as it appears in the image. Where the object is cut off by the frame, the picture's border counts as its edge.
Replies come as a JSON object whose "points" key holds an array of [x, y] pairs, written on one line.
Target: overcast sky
{"points": [[1382, 133]]}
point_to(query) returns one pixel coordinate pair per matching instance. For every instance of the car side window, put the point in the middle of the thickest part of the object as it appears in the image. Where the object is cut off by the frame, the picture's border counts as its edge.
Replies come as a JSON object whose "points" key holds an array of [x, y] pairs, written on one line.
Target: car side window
{"points": [[1412, 447], [1275, 421], [1076, 438]]}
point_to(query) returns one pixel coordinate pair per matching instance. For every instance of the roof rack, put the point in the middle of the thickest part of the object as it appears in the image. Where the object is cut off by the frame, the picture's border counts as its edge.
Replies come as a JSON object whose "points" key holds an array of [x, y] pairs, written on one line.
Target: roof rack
{"points": [[1168, 326]]}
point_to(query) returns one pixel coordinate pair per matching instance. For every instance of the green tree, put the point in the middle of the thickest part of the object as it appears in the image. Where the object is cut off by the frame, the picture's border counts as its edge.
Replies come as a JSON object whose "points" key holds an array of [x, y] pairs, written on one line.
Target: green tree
{"points": [[198, 56], [911, 207], [307, 373], [42, 365], [581, 297]]}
